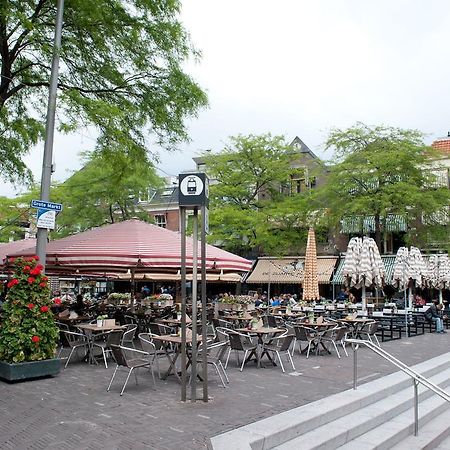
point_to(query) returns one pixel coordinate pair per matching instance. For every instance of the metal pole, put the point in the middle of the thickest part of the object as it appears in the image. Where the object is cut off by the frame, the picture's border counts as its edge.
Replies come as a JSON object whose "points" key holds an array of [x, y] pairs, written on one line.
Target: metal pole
{"points": [[183, 302], [194, 306], [355, 365], [416, 408], [204, 330], [41, 242]]}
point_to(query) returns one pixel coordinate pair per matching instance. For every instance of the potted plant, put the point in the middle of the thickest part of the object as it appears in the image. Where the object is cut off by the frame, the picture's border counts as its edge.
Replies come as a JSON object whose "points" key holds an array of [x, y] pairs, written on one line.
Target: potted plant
{"points": [[28, 333]]}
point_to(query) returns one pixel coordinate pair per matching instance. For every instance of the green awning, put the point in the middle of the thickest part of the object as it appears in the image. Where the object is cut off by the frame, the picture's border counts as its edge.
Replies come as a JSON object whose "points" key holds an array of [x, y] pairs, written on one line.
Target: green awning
{"points": [[388, 261]]}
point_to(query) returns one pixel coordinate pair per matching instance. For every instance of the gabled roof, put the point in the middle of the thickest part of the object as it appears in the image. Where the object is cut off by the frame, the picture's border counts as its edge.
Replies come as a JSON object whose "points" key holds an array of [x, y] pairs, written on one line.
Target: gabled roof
{"points": [[301, 147]]}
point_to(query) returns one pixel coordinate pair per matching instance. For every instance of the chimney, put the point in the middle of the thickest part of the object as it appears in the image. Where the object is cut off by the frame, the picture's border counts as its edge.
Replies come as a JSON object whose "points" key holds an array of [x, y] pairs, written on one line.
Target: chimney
{"points": [[448, 133]]}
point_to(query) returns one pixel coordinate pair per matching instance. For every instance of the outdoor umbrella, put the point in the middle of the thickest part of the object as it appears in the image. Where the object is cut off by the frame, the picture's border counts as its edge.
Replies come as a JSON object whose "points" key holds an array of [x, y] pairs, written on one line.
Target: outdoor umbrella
{"points": [[409, 270], [438, 273], [134, 245], [363, 266], [310, 277]]}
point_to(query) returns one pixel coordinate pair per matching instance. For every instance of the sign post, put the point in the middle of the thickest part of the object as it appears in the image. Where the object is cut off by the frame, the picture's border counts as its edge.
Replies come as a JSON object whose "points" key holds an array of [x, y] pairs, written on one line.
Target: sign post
{"points": [[193, 194]]}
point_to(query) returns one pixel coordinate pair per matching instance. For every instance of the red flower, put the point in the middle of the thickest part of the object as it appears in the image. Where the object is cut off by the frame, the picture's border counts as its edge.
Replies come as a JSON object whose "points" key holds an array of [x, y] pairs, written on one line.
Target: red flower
{"points": [[35, 338], [39, 267], [29, 259], [43, 284], [44, 309], [35, 271], [13, 282], [11, 260], [26, 268], [44, 278], [30, 305], [31, 280], [57, 301], [36, 257]]}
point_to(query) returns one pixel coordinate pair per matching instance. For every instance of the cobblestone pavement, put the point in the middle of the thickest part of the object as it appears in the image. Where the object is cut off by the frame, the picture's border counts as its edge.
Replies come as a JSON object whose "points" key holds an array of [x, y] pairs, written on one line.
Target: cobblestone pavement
{"points": [[74, 411]]}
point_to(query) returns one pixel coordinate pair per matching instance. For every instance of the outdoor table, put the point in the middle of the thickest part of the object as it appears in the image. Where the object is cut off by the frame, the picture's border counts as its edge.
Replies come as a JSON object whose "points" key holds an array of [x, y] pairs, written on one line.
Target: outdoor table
{"points": [[167, 340], [355, 325], [90, 329], [319, 329], [238, 320], [261, 333]]}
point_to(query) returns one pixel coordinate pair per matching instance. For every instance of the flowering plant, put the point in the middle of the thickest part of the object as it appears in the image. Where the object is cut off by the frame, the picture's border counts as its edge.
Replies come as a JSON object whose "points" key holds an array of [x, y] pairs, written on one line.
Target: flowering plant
{"points": [[28, 331]]}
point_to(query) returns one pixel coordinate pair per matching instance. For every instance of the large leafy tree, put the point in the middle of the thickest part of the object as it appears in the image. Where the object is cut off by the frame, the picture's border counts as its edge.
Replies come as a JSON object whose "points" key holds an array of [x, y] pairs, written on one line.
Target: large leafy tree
{"points": [[120, 72], [105, 190], [379, 171], [249, 210]]}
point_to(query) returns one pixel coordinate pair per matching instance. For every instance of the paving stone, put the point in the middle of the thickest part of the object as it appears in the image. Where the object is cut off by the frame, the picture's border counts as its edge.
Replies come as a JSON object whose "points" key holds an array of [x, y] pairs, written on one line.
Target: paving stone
{"points": [[74, 411]]}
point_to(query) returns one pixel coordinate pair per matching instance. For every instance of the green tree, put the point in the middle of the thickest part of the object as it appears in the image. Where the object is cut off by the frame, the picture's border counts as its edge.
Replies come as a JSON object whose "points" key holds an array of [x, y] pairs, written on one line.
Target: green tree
{"points": [[380, 171], [120, 72], [105, 190], [14, 215], [249, 210]]}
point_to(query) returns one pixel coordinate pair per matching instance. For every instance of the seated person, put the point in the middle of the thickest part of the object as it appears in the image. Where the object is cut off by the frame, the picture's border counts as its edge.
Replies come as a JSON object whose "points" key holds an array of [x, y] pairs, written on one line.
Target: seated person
{"points": [[275, 301], [435, 314], [79, 306]]}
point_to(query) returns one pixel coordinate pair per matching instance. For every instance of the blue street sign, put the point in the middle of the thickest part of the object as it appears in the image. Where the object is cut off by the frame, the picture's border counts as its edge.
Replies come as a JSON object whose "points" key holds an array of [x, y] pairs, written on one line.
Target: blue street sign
{"points": [[46, 205]]}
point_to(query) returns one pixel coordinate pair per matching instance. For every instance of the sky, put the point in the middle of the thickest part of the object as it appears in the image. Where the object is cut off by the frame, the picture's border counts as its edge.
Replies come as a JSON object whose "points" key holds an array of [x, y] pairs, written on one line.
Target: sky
{"points": [[301, 68]]}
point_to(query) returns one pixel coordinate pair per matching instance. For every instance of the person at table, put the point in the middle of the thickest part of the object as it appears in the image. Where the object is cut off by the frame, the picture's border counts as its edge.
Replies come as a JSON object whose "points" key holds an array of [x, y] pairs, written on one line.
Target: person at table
{"points": [[79, 307], [275, 301], [435, 311], [342, 295]]}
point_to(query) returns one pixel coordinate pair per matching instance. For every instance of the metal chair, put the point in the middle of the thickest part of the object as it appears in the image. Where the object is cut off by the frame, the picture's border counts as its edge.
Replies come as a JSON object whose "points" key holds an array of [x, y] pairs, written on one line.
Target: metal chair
{"points": [[75, 341], [213, 357], [370, 329], [128, 335], [280, 345], [105, 340], [303, 334], [333, 336], [240, 343], [123, 357], [154, 348]]}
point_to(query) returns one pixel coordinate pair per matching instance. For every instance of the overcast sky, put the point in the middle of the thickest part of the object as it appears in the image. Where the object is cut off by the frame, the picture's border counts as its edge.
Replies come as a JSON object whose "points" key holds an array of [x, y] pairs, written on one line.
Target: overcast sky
{"points": [[299, 68]]}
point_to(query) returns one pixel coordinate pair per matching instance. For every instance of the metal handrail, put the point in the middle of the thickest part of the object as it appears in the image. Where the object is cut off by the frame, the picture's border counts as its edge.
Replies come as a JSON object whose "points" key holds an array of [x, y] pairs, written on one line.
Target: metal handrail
{"points": [[417, 377]]}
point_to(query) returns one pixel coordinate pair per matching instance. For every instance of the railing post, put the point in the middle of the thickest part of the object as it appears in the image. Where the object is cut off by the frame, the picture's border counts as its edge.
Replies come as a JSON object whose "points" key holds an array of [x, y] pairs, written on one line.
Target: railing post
{"points": [[355, 365], [416, 408]]}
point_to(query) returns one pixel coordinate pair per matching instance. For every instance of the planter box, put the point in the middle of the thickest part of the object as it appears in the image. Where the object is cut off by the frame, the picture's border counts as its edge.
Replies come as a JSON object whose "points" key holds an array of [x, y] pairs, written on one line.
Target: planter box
{"points": [[28, 370], [236, 306]]}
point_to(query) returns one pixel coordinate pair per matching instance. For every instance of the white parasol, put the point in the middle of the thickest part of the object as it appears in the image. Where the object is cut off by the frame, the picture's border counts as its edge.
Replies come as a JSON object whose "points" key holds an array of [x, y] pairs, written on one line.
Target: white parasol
{"points": [[363, 265]]}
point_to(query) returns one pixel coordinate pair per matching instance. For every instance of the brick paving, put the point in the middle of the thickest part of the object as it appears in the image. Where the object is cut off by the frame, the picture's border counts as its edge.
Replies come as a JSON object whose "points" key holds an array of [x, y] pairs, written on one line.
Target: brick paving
{"points": [[74, 411]]}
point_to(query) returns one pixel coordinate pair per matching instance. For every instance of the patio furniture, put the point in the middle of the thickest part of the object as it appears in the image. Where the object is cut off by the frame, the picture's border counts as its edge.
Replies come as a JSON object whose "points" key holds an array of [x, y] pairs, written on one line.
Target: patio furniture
{"points": [[131, 359], [279, 345], [369, 331], [241, 343], [104, 341], [213, 357], [335, 336], [307, 335], [128, 335], [153, 347], [75, 341]]}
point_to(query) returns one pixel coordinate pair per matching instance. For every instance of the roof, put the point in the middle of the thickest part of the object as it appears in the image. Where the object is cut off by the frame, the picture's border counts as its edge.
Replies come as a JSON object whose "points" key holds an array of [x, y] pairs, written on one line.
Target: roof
{"points": [[442, 144], [388, 261], [282, 270], [131, 244], [301, 147], [8, 248]]}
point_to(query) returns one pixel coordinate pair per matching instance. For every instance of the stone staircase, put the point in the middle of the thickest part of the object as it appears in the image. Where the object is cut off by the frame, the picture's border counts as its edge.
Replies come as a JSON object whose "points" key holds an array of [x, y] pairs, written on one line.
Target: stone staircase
{"points": [[378, 415]]}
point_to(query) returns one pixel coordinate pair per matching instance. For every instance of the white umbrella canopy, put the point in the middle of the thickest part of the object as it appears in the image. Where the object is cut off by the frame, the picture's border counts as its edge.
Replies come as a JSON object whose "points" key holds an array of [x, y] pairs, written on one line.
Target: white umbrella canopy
{"points": [[417, 266], [363, 265], [350, 270], [401, 272], [443, 279]]}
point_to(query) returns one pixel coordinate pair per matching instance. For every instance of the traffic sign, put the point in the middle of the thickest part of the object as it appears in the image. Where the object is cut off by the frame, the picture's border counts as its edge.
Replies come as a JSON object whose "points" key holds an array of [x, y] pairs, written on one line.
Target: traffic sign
{"points": [[193, 189], [40, 204]]}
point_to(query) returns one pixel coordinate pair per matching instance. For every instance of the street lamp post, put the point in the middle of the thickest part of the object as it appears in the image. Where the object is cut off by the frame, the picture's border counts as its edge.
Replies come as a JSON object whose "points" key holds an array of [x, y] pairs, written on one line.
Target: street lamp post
{"points": [[41, 243]]}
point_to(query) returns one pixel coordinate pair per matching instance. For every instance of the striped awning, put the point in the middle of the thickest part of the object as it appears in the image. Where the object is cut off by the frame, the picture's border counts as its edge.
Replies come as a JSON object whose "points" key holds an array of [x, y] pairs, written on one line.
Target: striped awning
{"points": [[132, 244], [289, 270], [8, 248], [366, 224], [388, 261]]}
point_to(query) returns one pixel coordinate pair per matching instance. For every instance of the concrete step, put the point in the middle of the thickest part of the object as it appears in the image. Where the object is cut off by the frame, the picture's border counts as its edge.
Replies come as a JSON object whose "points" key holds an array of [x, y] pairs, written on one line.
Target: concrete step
{"points": [[377, 419], [281, 428], [444, 445]]}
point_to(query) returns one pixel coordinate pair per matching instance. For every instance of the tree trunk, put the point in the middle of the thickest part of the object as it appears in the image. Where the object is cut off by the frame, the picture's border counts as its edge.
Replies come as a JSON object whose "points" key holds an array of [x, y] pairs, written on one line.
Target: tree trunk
{"points": [[378, 233]]}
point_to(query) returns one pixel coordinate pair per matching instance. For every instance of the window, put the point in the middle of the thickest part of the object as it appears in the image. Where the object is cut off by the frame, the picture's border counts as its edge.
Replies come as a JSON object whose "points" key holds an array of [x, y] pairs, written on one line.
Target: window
{"points": [[160, 220]]}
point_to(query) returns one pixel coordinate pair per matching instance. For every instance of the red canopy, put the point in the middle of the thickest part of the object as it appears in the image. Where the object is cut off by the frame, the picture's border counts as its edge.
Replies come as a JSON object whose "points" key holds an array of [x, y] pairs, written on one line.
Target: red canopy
{"points": [[131, 244], [9, 248]]}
